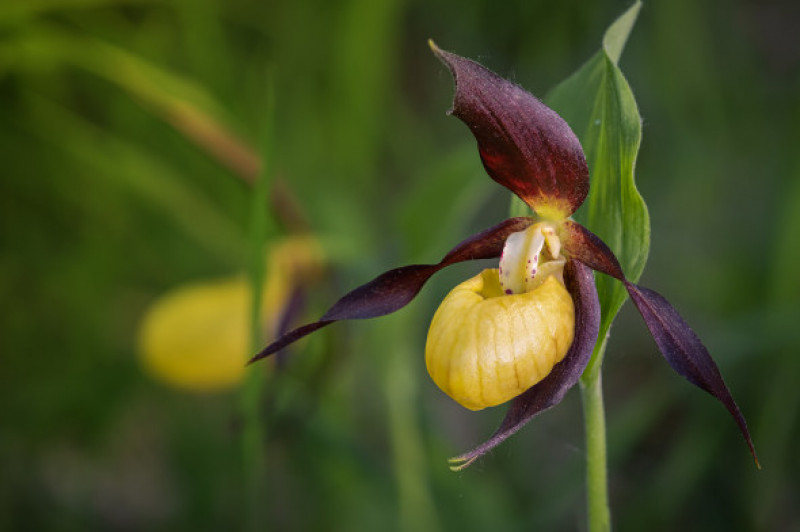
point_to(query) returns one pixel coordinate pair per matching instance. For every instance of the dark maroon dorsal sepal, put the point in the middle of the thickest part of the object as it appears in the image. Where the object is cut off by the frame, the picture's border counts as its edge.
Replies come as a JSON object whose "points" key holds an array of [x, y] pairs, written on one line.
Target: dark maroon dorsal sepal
{"points": [[524, 145]]}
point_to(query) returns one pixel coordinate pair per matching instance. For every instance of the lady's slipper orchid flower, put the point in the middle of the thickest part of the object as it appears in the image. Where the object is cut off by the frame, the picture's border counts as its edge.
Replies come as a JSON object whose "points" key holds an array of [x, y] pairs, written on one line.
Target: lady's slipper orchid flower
{"points": [[196, 337], [524, 332]]}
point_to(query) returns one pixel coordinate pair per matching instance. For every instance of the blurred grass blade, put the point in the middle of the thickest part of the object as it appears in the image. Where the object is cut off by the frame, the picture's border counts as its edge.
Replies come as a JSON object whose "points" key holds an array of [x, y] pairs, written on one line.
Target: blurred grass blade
{"points": [[598, 104], [115, 159], [179, 101], [778, 420], [254, 458]]}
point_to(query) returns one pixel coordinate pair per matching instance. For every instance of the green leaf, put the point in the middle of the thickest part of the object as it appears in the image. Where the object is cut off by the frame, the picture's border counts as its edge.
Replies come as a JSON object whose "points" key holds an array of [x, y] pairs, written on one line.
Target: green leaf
{"points": [[598, 104], [180, 101]]}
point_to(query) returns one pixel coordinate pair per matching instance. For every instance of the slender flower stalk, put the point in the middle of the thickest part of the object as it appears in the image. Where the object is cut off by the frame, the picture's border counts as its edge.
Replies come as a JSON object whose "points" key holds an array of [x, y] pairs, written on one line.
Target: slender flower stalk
{"points": [[594, 418]]}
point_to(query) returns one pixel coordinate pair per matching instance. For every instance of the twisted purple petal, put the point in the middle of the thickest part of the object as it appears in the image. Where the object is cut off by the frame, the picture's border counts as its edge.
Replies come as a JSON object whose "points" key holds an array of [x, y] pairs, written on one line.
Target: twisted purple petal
{"points": [[396, 288], [685, 352], [677, 342]]}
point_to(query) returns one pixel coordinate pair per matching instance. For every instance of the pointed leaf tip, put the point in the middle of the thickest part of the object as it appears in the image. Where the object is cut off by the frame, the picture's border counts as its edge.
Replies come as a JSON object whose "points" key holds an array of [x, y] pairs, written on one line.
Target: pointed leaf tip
{"points": [[617, 34], [524, 145]]}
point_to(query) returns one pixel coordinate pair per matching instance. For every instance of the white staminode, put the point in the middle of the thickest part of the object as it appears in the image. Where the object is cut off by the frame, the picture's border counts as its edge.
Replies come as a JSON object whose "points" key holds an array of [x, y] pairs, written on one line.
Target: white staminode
{"points": [[553, 242], [522, 258]]}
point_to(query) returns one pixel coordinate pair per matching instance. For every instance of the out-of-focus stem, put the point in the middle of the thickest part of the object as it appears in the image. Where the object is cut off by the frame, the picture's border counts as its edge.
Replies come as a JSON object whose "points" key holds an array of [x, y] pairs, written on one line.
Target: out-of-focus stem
{"points": [[253, 434], [415, 500]]}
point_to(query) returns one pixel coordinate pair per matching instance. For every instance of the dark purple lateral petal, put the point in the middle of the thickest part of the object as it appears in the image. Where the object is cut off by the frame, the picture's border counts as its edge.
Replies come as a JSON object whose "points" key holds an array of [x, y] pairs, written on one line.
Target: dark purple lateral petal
{"points": [[396, 288], [685, 352], [550, 391], [583, 245], [524, 145]]}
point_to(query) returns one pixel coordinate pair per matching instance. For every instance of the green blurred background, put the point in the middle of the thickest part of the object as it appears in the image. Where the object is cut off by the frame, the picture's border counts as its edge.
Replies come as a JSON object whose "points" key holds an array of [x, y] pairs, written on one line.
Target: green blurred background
{"points": [[129, 133]]}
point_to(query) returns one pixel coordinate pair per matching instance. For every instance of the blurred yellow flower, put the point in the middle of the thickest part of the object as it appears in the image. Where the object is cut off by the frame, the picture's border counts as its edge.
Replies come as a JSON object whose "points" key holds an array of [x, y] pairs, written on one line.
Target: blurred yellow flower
{"points": [[196, 337]]}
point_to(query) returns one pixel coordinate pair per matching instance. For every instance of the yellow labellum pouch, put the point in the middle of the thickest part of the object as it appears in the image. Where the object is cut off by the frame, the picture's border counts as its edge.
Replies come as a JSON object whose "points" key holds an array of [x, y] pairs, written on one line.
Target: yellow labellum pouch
{"points": [[486, 347]]}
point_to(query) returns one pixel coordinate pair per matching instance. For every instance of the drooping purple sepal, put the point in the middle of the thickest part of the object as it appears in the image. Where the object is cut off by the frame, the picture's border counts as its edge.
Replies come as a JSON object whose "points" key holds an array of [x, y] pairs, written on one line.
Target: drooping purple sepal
{"points": [[396, 288], [524, 145], [675, 339], [564, 375], [684, 351]]}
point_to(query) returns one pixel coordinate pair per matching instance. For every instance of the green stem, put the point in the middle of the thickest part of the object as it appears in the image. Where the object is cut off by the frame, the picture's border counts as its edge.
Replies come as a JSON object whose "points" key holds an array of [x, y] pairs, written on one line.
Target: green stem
{"points": [[253, 433], [599, 515]]}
